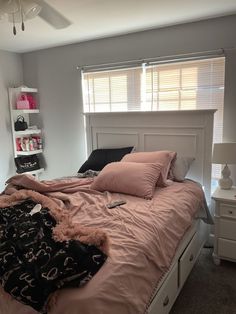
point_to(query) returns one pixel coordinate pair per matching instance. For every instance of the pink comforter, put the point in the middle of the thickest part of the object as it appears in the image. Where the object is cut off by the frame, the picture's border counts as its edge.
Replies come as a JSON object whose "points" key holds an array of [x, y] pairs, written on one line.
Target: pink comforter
{"points": [[144, 235]]}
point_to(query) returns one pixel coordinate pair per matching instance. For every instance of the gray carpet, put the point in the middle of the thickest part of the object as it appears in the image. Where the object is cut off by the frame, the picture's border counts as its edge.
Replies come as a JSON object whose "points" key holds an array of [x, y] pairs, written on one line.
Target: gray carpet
{"points": [[209, 289]]}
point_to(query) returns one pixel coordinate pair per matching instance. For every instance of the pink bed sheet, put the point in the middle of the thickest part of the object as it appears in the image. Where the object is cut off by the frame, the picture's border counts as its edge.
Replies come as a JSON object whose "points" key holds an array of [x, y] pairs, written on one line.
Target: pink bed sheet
{"points": [[144, 236]]}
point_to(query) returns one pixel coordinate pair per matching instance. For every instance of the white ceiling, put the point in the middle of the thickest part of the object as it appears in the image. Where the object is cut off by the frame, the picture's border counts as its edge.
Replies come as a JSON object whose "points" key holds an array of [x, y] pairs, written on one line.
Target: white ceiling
{"points": [[102, 18]]}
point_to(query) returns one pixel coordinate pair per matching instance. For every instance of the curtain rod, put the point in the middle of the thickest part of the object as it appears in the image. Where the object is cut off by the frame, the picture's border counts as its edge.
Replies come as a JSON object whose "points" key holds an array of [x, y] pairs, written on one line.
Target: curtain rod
{"points": [[160, 59]]}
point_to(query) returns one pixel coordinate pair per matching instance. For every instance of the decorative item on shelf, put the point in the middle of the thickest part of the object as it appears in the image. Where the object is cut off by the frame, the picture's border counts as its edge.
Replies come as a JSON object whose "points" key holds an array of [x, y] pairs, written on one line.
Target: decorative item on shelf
{"points": [[22, 102], [27, 163], [35, 143], [26, 101], [27, 144], [20, 124], [24, 144], [33, 127], [39, 142], [224, 153], [18, 145]]}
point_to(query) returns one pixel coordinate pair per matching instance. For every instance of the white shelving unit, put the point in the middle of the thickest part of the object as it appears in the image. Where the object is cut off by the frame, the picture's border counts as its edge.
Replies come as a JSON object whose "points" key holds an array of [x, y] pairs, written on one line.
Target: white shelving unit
{"points": [[14, 93]]}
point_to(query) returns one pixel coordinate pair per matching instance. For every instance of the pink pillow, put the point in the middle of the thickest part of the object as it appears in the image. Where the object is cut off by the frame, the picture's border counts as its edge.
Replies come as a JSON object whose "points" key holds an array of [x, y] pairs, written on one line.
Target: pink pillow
{"points": [[133, 178], [163, 157]]}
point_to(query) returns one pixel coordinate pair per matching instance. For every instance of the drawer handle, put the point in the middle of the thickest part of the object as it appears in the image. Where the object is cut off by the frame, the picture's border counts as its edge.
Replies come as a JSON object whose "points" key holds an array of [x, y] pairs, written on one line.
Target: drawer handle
{"points": [[191, 258], [166, 301], [230, 212]]}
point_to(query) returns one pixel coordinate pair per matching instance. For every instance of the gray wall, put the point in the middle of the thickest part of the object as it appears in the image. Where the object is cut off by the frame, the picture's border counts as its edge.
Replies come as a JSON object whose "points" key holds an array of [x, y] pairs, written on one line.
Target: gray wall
{"points": [[54, 72], [11, 74]]}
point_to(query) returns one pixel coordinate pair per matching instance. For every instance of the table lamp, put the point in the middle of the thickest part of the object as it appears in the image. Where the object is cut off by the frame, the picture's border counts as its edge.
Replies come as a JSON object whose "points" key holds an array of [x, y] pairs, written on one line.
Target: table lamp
{"points": [[224, 153]]}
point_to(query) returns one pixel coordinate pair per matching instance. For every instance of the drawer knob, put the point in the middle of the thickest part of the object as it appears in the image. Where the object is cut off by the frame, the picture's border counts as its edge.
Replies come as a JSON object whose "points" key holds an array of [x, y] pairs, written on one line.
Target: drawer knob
{"points": [[230, 212], [191, 258], [166, 301]]}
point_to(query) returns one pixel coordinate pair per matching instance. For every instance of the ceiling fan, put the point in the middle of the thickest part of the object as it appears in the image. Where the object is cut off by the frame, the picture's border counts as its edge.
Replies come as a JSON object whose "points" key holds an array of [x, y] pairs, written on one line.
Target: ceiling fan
{"points": [[19, 11]]}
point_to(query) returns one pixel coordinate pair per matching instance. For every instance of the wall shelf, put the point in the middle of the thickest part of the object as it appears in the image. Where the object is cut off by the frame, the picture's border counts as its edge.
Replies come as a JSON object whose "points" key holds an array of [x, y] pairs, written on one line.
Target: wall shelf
{"points": [[21, 111], [28, 153], [27, 132], [35, 172], [28, 90], [25, 89]]}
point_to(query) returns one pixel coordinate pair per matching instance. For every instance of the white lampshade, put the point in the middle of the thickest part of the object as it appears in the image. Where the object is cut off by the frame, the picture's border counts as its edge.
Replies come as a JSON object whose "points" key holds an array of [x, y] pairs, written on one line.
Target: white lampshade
{"points": [[224, 153]]}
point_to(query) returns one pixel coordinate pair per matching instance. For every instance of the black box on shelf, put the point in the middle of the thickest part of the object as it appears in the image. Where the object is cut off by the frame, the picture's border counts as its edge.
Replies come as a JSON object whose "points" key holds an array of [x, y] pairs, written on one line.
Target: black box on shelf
{"points": [[27, 163]]}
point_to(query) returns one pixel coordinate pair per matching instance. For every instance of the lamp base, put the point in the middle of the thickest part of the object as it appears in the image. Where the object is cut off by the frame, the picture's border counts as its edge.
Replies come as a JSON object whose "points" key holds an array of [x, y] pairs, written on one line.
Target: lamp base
{"points": [[225, 182]]}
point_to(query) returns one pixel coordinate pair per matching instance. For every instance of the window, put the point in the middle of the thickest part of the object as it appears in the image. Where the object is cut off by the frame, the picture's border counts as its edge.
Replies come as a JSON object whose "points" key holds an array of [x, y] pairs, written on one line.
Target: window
{"points": [[116, 90], [184, 85]]}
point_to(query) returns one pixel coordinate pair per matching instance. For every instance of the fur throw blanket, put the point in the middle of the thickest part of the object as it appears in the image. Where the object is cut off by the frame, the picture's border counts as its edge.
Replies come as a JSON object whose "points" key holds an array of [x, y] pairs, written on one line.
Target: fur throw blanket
{"points": [[19, 190]]}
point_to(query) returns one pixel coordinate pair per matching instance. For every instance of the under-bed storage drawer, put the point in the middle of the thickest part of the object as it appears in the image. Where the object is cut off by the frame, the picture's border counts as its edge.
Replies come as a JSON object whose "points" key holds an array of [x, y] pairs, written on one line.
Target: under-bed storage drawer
{"points": [[166, 294], [227, 248], [188, 258]]}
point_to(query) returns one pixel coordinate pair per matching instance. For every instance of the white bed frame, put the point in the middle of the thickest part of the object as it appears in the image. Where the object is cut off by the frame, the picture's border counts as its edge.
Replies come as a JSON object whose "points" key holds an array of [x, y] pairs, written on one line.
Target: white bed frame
{"points": [[189, 133]]}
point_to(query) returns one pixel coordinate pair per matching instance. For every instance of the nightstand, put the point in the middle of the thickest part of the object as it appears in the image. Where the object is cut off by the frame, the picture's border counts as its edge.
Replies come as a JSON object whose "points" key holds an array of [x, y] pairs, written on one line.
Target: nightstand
{"points": [[225, 225]]}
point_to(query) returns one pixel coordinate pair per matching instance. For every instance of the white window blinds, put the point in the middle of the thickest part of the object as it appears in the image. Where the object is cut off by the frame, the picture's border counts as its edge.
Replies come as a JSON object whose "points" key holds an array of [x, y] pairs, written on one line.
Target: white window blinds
{"points": [[113, 90], [185, 85]]}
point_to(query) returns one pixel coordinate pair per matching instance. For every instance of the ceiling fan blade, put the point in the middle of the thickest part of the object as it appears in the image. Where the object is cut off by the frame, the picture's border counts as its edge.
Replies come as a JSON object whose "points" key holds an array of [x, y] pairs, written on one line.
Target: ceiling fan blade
{"points": [[9, 6], [52, 16]]}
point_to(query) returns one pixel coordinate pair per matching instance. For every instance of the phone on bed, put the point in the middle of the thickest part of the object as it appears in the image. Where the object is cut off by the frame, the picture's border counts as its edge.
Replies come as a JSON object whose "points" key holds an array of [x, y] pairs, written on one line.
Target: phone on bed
{"points": [[116, 203]]}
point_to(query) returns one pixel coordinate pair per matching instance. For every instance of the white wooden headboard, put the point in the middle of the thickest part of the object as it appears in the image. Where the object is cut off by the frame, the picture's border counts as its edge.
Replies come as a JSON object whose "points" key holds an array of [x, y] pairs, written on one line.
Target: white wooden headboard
{"points": [[189, 133]]}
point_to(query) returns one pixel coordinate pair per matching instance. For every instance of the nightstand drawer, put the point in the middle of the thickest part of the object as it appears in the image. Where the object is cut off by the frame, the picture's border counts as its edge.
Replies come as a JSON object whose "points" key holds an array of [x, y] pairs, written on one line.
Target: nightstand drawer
{"points": [[227, 229], [227, 210], [227, 248]]}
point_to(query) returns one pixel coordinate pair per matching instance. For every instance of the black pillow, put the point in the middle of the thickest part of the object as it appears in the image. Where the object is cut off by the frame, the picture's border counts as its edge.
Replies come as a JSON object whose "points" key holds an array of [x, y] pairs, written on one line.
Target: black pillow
{"points": [[99, 158]]}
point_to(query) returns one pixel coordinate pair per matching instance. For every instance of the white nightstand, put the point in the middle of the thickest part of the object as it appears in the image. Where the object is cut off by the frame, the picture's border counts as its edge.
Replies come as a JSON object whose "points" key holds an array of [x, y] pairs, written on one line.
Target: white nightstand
{"points": [[225, 225]]}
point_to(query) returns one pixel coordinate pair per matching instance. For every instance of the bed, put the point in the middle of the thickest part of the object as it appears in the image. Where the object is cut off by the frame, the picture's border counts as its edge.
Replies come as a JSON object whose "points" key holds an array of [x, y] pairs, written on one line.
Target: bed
{"points": [[138, 290]]}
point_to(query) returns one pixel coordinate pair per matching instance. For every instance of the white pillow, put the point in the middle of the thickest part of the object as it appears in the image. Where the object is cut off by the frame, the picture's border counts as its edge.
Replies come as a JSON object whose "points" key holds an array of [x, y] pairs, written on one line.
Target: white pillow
{"points": [[181, 167]]}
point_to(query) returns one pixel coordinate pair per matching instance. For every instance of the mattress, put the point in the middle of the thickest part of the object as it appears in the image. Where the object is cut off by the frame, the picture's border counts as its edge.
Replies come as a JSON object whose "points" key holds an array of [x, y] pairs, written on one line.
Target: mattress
{"points": [[144, 236]]}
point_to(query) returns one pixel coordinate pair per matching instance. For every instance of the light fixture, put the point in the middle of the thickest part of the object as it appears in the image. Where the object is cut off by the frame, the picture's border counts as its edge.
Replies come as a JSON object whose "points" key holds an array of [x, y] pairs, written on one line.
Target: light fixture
{"points": [[19, 11], [224, 153]]}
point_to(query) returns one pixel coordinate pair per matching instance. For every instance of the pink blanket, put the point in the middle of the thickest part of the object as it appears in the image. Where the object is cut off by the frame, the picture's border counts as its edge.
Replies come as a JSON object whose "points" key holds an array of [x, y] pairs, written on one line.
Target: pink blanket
{"points": [[144, 236]]}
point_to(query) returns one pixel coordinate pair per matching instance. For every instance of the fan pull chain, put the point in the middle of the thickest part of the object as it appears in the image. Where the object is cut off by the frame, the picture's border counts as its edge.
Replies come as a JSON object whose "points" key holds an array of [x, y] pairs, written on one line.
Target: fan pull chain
{"points": [[23, 26], [22, 16], [14, 25]]}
